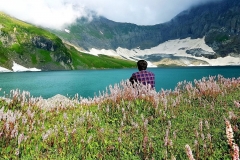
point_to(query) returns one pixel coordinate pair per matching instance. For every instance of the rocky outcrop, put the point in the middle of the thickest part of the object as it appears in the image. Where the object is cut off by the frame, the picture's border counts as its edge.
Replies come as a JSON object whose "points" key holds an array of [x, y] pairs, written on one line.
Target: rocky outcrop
{"points": [[199, 52], [60, 56], [7, 39], [43, 43]]}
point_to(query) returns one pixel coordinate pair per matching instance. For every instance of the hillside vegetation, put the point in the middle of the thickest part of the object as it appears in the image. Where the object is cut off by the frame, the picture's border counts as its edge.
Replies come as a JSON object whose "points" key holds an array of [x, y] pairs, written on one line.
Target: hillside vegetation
{"points": [[197, 120], [32, 46]]}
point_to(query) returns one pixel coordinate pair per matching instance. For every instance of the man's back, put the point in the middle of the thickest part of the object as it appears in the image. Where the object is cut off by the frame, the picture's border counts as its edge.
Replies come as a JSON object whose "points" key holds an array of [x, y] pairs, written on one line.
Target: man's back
{"points": [[144, 77]]}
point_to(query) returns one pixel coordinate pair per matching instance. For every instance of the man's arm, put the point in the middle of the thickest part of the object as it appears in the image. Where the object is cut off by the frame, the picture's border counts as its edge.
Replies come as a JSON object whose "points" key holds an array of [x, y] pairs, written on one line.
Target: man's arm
{"points": [[132, 79]]}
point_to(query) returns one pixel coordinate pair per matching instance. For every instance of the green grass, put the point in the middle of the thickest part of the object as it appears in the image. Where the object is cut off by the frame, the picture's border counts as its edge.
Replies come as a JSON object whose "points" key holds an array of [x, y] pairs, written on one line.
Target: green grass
{"points": [[34, 59], [124, 123], [45, 55], [17, 48], [3, 57]]}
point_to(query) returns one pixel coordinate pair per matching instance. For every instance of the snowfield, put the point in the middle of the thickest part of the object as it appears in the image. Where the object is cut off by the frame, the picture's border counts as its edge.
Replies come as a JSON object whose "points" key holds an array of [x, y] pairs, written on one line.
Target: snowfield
{"points": [[4, 70], [176, 48], [18, 68]]}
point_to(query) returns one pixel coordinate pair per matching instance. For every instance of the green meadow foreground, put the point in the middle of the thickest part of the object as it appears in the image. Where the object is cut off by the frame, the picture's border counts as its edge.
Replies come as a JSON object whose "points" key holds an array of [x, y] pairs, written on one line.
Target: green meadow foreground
{"points": [[197, 120]]}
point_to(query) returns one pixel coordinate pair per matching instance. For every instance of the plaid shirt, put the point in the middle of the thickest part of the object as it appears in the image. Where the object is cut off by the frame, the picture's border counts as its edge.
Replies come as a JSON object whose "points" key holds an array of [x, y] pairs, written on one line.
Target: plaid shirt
{"points": [[144, 77]]}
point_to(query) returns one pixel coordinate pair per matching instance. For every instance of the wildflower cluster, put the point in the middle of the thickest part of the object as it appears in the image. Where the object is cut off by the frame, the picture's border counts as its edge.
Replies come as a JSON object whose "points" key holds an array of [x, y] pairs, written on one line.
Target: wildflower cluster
{"points": [[125, 122], [234, 149]]}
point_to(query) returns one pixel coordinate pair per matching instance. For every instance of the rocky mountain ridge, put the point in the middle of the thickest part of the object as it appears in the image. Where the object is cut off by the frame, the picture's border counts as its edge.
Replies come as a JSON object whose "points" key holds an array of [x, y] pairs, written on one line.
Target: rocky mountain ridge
{"points": [[217, 22]]}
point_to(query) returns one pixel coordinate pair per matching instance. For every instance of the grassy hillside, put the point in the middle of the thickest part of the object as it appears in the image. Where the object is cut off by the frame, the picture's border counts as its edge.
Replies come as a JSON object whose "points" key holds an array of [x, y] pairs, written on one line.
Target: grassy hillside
{"points": [[199, 120], [32, 46], [83, 60]]}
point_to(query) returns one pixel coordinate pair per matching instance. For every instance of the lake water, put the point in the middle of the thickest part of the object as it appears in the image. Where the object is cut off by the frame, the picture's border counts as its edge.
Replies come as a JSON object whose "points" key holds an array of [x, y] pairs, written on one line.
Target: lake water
{"points": [[88, 83]]}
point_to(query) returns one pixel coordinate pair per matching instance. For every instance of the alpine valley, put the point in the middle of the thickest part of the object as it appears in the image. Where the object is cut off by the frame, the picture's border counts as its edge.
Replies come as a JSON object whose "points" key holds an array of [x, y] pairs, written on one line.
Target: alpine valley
{"points": [[206, 34]]}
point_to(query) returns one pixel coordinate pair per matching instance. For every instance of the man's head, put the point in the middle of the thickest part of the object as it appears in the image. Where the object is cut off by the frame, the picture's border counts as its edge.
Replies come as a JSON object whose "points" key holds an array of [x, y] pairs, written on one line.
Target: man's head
{"points": [[142, 65]]}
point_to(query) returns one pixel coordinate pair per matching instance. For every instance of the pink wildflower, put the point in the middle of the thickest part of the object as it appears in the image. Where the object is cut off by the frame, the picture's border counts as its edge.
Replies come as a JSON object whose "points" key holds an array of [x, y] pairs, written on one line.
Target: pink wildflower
{"points": [[119, 139], [17, 152], [145, 141], [237, 104], [20, 138], [189, 152], [166, 139], [201, 125], [235, 152], [229, 132], [207, 124]]}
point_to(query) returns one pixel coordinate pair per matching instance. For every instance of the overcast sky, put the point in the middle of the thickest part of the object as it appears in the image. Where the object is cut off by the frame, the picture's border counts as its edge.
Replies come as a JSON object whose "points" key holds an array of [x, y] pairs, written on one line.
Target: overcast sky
{"points": [[56, 13]]}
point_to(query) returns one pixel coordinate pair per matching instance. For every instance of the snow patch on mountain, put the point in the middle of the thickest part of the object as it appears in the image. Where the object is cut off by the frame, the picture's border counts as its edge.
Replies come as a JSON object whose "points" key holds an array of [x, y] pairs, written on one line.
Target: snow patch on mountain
{"points": [[18, 68], [66, 30], [176, 48], [2, 69]]}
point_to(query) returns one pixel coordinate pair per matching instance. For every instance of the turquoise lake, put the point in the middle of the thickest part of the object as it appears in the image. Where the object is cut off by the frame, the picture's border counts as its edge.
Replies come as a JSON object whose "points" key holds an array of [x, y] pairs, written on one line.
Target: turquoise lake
{"points": [[88, 83]]}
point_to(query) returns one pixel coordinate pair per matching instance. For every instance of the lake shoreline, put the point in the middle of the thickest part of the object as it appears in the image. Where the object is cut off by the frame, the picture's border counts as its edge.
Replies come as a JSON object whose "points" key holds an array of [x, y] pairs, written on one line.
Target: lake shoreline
{"points": [[89, 83]]}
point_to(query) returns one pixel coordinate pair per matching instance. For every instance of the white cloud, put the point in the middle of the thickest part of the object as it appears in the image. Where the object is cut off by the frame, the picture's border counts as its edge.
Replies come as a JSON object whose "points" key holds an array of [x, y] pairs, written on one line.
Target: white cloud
{"points": [[53, 14], [56, 13]]}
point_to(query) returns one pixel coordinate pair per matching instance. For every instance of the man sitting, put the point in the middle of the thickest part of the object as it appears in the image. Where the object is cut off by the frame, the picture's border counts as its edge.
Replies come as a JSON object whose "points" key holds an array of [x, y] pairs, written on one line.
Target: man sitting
{"points": [[143, 76]]}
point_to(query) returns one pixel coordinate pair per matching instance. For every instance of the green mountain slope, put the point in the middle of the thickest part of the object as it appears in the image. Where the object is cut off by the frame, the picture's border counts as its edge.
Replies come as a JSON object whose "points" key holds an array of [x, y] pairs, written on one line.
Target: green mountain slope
{"points": [[32, 46]]}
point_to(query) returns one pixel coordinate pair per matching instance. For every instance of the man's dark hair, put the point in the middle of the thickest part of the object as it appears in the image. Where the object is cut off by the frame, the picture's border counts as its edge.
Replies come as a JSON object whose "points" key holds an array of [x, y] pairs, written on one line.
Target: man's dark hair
{"points": [[142, 65]]}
